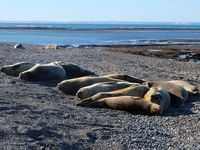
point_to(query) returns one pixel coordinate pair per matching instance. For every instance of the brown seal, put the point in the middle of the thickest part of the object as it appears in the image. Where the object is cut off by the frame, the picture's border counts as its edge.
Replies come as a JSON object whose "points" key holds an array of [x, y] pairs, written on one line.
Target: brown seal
{"points": [[158, 96], [193, 90], [17, 68], [126, 103], [73, 70], [71, 86], [44, 72], [91, 90], [125, 77], [178, 94], [133, 90]]}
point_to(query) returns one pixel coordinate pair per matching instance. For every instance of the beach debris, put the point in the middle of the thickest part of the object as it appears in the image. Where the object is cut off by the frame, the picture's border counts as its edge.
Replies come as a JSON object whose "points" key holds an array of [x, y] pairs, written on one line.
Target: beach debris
{"points": [[51, 46], [19, 46], [191, 57]]}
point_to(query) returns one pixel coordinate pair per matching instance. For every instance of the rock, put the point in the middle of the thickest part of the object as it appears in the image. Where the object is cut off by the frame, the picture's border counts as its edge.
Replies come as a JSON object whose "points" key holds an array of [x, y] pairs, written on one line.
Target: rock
{"points": [[19, 46], [51, 46]]}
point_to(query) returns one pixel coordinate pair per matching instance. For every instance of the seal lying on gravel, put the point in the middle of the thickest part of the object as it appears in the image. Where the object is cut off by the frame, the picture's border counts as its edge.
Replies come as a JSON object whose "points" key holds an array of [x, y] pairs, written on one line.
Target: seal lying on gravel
{"points": [[192, 90], [178, 94], [16, 69], [44, 72], [72, 86], [127, 103], [133, 90], [91, 90], [125, 78], [74, 71], [158, 96]]}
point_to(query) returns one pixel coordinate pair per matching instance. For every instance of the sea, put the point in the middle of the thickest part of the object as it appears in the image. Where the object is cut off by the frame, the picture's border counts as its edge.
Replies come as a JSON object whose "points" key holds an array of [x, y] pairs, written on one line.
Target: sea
{"points": [[76, 34]]}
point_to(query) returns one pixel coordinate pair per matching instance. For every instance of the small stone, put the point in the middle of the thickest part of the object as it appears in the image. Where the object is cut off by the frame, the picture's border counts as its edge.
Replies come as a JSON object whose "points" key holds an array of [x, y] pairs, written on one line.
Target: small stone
{"points": [[51, 46], [19, 46]]}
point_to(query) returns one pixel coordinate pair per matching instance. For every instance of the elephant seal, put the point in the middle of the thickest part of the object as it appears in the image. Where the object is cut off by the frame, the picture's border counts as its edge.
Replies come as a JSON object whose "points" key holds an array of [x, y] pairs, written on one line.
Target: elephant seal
{"points": [[74, 71], [16, 69], [44, 72], [125, 77], [192, 90], [178, 94], [91, 90], [71, 86], [158, 96], [133, 90], [126, 103]]}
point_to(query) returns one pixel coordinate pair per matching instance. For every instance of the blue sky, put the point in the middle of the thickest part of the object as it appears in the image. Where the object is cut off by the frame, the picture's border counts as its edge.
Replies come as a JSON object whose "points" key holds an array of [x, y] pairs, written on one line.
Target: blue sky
{"points": [[101, 10]]}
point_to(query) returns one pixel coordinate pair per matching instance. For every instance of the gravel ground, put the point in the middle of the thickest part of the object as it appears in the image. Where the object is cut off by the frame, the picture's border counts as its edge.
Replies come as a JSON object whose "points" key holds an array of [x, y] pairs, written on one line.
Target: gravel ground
{"points": [[38, 116]]}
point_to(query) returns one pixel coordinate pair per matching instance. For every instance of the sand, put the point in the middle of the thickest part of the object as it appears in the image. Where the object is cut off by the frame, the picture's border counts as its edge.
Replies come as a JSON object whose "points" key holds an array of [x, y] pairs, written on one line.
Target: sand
{"points": [[38, 116]]}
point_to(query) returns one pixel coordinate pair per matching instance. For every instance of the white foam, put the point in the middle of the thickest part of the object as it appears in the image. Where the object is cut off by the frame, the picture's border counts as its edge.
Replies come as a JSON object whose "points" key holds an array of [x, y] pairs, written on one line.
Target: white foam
{"points": [[155, 50]]}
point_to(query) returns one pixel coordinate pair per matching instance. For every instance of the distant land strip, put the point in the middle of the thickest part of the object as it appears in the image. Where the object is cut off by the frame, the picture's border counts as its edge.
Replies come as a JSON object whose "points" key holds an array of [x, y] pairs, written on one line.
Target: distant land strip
{"points": [[91, 29]]}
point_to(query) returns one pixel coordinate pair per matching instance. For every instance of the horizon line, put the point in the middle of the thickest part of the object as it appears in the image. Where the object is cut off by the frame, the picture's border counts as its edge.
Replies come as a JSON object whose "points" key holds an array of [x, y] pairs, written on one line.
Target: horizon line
{"points": [[100, 22]]}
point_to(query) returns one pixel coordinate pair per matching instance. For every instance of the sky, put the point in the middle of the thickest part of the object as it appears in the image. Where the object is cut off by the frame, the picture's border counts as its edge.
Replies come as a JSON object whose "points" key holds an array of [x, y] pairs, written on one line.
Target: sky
{"points": [[101, 10]]}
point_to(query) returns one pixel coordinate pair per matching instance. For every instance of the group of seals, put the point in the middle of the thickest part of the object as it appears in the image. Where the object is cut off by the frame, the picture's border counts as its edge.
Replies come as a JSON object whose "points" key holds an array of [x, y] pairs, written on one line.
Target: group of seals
{"points": [[115, 91], [124, 92], [45, 72]]}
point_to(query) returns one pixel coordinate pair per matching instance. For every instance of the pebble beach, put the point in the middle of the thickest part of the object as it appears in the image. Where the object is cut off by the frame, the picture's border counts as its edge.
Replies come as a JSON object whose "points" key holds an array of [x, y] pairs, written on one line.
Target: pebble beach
{"points": [[38, 116]]}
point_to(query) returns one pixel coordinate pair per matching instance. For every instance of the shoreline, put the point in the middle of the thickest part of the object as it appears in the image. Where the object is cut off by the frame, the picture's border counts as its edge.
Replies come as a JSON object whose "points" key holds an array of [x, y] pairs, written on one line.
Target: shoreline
{"points": [[96, 29], [178, 52]]}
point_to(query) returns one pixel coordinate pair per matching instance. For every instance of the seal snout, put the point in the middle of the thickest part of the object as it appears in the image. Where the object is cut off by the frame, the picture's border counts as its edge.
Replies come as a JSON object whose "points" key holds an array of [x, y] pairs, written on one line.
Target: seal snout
{"points": [[23, 76], [79, 94], [62, 87], [156, 109], [59, 86]]}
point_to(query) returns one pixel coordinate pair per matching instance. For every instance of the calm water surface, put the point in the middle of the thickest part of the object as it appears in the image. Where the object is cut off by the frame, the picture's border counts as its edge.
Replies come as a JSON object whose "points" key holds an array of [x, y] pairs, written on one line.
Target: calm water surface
{"points": [[75, 37]]}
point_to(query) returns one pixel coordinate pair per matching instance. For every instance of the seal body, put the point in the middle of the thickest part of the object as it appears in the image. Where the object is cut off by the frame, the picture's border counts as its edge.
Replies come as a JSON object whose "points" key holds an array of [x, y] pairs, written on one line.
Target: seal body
{"points": [[133, 90], [158, 96], [91, 90], [125, 77], [74, 71], [178, 94], [16, 69], [192, 90], [44, 72], [127, 103], [71, 86]]}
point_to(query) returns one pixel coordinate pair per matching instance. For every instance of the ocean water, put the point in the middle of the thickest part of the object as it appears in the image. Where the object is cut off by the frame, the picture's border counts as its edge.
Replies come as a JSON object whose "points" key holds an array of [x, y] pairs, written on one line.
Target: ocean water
{"points": [[87, 37]]}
